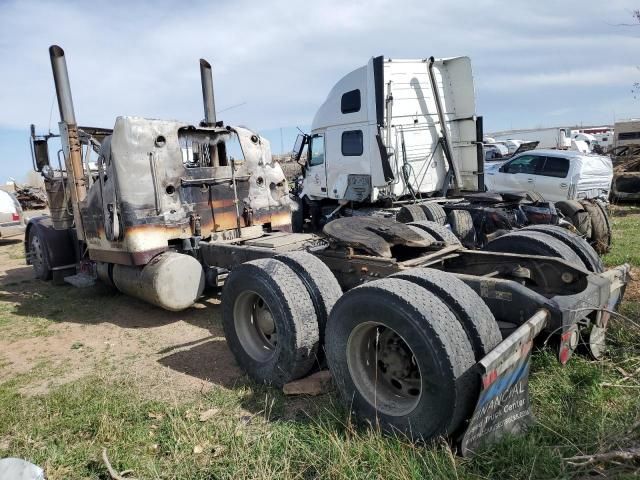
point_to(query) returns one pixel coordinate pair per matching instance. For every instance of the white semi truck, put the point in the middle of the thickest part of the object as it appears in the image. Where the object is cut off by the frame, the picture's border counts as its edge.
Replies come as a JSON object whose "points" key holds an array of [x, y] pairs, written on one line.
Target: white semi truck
{"points": [[395, 129], [401, 138]]}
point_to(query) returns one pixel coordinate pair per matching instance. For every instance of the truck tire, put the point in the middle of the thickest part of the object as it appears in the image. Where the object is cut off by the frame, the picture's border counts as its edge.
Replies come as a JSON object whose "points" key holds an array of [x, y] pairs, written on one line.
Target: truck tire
{"points": [[423, 233], [534, 243], [297, 214], [434, 212], [38, 255], [575, 213], [269, 321], [600, 231], [603, 209], [569, 207], [320, 282], [469, 308], [439, 232], [411, 213], [380, 337], [578, 244], [533, 196], [461, 223]]}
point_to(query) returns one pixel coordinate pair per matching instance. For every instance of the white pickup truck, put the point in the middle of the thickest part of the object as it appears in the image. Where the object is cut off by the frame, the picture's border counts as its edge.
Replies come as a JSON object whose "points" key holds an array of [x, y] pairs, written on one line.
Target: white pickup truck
{"points": [[556, 174]]}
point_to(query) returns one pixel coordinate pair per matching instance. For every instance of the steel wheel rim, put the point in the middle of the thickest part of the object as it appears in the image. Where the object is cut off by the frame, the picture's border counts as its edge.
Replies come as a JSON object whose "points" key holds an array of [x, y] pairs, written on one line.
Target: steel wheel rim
{"points": [[384, 369], [37, 259], [255, 326]]}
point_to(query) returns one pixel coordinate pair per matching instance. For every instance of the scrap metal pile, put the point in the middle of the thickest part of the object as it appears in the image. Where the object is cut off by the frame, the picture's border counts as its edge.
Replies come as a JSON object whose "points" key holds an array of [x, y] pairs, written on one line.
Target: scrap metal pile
{"points": [[31, 198], [626, 173]]}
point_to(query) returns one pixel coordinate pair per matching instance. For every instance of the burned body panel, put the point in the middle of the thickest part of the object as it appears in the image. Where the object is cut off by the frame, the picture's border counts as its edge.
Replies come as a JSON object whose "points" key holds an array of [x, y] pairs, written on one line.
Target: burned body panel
{"points": [[198, 189]]}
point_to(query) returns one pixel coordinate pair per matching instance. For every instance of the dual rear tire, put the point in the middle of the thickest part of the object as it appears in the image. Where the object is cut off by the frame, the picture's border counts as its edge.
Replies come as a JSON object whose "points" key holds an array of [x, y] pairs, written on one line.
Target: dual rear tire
{"points": [[417, 212], [590, 219], [431, 216], [549, 241], [401, 350], [274, 314]]}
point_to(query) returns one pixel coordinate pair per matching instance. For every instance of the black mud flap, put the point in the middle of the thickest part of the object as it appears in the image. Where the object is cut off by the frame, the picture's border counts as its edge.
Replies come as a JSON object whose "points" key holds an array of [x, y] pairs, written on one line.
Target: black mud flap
{"points": [[503, 406]]}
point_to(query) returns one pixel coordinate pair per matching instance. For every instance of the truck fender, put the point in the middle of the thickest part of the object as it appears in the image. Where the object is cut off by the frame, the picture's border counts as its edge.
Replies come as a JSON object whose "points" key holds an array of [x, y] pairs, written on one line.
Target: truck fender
{"points": [[59, 243]]}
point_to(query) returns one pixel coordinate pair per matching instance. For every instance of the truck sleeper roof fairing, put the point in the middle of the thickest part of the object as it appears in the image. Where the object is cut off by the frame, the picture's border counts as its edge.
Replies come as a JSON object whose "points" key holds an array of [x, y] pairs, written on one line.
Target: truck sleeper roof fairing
{"points": [[394, 99]]}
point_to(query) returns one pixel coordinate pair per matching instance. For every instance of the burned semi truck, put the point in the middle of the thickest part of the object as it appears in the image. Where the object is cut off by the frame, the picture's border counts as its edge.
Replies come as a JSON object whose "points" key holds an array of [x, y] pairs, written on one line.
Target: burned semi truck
{"points": [[421, 335]]}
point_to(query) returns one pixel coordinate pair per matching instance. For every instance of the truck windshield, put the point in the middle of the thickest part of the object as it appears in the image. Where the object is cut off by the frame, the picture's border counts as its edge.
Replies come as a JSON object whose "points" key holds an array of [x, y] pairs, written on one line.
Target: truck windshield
{"points": [[316, 150]]}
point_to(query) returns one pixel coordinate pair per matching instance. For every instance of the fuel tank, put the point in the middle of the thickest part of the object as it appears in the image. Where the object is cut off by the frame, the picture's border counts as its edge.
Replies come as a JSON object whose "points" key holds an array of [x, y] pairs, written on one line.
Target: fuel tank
{"points": [[171, 280]]}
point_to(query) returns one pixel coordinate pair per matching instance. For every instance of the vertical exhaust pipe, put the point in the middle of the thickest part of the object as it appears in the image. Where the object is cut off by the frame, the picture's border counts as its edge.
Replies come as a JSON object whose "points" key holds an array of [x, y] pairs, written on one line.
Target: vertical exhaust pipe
{"points": [[70, 137], [63, 88], [446, 143], [206, 77]]}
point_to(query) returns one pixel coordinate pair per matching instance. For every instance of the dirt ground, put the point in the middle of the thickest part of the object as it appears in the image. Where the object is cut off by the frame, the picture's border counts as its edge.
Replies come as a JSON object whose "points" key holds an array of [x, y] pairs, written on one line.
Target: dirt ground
{"points": [[57, 334]]}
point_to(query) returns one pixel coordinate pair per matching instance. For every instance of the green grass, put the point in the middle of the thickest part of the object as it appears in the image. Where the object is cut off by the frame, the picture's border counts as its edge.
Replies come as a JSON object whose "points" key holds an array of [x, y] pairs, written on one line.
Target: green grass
{"points": [[66, 430], [626, 239], [254, 434]]}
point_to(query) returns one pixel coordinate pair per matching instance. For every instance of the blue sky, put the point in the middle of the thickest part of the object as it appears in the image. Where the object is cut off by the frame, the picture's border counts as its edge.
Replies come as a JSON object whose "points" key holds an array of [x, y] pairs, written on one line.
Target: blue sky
{"points": [[535, 63]]}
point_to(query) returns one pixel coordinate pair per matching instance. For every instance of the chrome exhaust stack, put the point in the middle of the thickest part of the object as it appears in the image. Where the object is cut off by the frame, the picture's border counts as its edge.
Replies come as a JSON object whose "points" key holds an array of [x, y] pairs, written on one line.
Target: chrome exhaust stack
{"points": [[206, 78], [69, 135], [63, 88]]}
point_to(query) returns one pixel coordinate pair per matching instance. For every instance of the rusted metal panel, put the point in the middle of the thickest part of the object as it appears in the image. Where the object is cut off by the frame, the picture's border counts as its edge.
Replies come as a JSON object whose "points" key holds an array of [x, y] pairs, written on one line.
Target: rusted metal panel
{"points": [[156, 177]]}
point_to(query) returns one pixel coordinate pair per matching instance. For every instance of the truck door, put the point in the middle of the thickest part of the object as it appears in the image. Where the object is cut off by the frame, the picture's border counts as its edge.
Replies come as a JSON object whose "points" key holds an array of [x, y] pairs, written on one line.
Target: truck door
{"points": [[518, 175], [316, 174], [551, 180]]}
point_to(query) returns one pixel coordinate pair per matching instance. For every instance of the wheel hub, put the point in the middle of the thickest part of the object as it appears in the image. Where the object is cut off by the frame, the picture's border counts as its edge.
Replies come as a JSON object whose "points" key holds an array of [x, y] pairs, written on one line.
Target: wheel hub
{"points": [[384, 368], [36, 253], [255, 326], [263, 321]]}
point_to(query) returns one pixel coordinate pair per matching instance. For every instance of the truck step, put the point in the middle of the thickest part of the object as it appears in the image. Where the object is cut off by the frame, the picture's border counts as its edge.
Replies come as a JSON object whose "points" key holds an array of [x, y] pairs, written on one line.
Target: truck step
{"points": [[81, 280]]}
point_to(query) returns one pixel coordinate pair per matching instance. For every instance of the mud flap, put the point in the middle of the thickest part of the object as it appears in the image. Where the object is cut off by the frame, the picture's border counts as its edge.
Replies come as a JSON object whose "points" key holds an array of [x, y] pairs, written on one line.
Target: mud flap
{"points": [[503, 406]]}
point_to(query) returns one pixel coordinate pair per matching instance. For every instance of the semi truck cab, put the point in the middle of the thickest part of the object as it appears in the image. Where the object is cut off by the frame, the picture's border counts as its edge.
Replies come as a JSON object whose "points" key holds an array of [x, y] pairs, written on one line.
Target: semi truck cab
{"points": [[394, 129]]}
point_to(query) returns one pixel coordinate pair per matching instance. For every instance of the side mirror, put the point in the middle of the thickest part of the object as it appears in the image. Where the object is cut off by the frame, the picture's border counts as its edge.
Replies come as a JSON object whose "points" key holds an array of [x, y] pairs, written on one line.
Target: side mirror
{"points": [[40, 154], [298, 147]]}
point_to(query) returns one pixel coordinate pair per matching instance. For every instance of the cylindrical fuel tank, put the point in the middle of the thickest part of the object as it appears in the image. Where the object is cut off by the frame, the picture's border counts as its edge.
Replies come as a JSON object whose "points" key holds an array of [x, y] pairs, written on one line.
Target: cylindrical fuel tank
{"points": [[171, 280]]}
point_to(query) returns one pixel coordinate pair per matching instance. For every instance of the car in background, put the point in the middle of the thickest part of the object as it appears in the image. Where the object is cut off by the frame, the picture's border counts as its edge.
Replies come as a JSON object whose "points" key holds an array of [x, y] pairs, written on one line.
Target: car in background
{"points": [[555, 174], [495, 151], [11, 216]]}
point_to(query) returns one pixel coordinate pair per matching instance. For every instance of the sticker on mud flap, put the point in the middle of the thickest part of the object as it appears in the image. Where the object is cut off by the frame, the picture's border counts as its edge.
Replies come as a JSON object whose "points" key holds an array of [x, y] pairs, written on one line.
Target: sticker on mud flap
{"points": [[503, 406]]}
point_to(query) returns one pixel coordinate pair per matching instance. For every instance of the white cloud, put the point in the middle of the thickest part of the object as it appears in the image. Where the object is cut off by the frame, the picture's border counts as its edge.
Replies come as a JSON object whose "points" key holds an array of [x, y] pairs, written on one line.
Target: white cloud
{"points": [[282, 57], [614, 75]]}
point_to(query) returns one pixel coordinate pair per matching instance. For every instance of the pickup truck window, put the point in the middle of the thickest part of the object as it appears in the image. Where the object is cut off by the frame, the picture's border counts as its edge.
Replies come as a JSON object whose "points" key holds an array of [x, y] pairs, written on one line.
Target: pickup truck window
{"points": [[555, 167], [352, 143], [350, 102], [316, 150], [528, 164]]}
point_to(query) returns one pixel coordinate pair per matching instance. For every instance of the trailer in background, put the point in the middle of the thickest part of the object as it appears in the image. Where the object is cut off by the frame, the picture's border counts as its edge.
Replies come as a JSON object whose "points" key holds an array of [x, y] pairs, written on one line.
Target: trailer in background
{"points": [[627, 132], [555, 137]]}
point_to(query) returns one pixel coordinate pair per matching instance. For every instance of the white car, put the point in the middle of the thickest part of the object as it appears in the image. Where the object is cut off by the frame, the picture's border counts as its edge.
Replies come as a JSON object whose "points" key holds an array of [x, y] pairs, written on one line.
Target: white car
{"points": [[556, 174], [11, 217]]}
